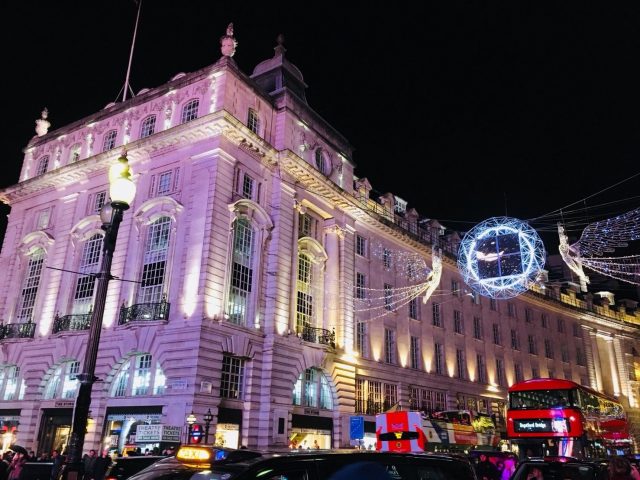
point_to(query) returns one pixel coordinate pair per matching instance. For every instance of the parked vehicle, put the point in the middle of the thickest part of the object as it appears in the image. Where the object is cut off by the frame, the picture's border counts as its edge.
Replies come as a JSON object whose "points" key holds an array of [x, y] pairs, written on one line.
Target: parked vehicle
{"points": [[124, 467], [559, 468], [36, 471], [212, 463]]}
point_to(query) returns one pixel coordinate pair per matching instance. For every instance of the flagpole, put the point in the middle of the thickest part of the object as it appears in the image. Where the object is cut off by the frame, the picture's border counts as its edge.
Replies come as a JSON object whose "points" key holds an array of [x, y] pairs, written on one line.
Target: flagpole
{"points": [[133, 43]]}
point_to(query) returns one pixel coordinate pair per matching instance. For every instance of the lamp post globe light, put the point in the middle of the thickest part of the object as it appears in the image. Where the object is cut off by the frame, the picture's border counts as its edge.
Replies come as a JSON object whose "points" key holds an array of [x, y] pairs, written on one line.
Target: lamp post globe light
{"points": [[207, 421], [191, 419], [121, 191]]}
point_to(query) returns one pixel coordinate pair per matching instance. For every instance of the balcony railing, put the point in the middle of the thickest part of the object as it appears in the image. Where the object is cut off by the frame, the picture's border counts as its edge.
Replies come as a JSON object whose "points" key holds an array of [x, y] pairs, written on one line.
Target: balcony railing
{"points": [[71, 323], [144, 312], [317, 335], [17, 330]]}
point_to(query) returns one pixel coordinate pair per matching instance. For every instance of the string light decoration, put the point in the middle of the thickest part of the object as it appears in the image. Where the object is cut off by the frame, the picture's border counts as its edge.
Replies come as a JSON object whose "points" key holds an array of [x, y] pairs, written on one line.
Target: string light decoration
{"points": [[604, 237], [406, 264], [501, 257]]}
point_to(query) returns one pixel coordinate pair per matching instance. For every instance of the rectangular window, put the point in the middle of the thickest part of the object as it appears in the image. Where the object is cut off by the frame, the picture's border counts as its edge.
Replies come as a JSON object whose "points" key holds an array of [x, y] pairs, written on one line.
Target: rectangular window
{"points": [[518, 372], [545, 320], [386, 258], [142, 375], [415, 352], [248, 186], [390, 396], [496, 334], [477, 328], [43, 164], [190, 111], [493, 304], [565, 354], [253, 121], [388, 297], [437, 318], [560, 325], [458, 323], [515, 342], [551, 373], [528, 315], [164, 183], [460, 364], [109, 140], [232, 380], [535, 372], [97, 201], [389, 346], [414, 311], [455, 288], [438, 358], [482, 368], [361, 246], [30, 285], [148, 126], [511, 309], [362, 341], [42, 219], [361, 281], [577, 331], [580, 360], [548, 348], [532, 345], [500, 377]]}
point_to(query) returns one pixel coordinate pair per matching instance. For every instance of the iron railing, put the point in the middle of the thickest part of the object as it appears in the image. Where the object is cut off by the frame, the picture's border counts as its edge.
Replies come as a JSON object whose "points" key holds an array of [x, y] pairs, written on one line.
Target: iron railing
{"points": [[17, 330], [71, 323], [144, 312], [317, 335]]}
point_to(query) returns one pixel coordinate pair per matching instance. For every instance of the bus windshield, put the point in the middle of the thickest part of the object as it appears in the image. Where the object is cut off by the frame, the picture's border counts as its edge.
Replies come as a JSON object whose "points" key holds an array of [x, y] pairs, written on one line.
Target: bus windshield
{"points": [[541, 399]]}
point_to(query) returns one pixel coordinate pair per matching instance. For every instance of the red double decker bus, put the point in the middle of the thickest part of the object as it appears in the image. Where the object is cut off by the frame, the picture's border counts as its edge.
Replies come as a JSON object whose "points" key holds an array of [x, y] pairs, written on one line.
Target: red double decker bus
{"points": [[550, 416]]}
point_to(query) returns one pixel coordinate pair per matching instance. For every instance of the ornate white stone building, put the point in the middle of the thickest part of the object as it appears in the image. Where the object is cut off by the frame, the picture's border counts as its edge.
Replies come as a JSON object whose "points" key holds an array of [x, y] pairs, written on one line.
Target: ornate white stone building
{"points": [[271, 286]]}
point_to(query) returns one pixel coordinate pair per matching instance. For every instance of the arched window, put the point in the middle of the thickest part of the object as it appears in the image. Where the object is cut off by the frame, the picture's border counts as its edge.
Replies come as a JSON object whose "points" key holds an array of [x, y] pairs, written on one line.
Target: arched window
{"points": [[63, 382], [109, 141], [154, 265], [241, 282], [85, 283], [304, 296], [321, 162], [148, 126], [190, 111], [312, 389], [30, 285], [74, 153], [12, 387], [43, 164], [139, 375]]}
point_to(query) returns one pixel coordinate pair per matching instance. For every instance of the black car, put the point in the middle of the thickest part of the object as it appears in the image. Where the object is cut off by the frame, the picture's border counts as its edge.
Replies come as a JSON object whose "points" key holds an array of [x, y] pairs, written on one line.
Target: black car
{"points": [[123, 467], [36, 471], [211, 463], [559, 468]]}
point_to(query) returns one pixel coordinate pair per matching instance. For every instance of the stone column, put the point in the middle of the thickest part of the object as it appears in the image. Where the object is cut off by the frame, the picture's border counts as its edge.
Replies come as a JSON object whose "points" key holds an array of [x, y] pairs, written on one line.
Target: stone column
{"points": [[593, 359], [334, 235]]}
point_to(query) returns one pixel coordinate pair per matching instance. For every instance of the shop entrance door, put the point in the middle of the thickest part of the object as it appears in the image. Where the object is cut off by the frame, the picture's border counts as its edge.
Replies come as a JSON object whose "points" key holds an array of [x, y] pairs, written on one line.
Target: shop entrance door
{"points": [[55, 428]]}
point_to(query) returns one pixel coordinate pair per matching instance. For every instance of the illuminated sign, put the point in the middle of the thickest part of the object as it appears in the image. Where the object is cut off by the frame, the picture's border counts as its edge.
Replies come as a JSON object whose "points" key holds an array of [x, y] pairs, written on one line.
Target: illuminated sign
{"points": [[555, 425]]}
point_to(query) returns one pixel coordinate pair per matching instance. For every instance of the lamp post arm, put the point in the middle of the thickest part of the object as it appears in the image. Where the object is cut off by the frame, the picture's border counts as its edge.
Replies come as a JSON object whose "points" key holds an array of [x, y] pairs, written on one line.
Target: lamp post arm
{"points": [[73, 466]]}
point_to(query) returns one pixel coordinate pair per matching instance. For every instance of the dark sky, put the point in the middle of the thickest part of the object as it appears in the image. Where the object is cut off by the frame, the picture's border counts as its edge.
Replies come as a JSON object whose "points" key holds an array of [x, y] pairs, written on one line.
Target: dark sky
{"points": [[467, 110]]}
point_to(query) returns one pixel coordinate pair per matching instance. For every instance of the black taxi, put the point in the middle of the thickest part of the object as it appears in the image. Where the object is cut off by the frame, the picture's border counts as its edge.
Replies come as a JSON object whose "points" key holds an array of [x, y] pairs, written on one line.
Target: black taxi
{"points": [[199, 462]]}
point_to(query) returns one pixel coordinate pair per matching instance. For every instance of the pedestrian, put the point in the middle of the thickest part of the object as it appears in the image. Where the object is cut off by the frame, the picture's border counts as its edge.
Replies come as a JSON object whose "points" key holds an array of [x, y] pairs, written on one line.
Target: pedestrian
{"points": [[619, 469], [89, 460], [315, 444], [485, 469], [58, 460], [17, 463], [101, 465]]}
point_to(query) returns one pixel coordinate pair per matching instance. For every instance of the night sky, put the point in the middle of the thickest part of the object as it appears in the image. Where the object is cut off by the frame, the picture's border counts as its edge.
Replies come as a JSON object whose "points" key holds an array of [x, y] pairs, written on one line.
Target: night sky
{"points": [[524, 109]]}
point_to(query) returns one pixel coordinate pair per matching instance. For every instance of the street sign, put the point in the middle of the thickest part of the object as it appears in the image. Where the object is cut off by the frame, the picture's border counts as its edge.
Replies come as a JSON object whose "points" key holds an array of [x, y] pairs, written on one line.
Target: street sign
{"points": [[356, 428]]}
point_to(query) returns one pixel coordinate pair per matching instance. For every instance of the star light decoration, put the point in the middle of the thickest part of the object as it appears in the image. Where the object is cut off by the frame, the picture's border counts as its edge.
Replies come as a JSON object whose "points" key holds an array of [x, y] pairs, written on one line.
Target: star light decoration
{"points": [[422, 281], [501, 257], [603, 237]]}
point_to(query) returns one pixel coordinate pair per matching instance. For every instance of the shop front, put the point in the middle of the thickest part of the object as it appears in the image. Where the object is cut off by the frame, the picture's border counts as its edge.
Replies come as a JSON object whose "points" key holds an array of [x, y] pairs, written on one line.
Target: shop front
{"points": [[138, 430], [228, 428], [55, 427], [309, 432], [9, 422]]}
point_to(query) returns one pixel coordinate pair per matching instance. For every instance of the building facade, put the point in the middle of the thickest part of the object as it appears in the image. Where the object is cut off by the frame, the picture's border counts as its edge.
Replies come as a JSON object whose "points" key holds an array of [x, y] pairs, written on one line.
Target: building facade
{"points": [[256, 277]]}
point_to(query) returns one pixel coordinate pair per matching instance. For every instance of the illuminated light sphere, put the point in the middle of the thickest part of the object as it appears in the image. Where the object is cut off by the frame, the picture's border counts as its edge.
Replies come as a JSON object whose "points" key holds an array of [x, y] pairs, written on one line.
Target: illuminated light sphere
{"points": [[501, 257]]}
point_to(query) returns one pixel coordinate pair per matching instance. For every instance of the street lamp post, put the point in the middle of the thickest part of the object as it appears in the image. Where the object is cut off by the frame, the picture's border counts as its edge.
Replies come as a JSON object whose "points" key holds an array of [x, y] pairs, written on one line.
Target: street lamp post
{"points": [[121, 191], [207, 421], [191, 419]]}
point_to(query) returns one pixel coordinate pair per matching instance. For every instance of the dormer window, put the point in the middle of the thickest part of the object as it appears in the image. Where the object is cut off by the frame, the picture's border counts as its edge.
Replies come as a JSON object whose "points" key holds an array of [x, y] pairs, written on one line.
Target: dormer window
{"points": [[43, 164], [109, 141], [253, 121], [148, 126], [190, 111], [321, 161]]}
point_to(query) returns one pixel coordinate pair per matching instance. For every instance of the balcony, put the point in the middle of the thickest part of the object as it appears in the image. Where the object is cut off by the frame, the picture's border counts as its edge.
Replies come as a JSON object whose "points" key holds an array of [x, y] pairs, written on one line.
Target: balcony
{"points": [[317, 335], [17, 330], [71, 323], [144, 312]]}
